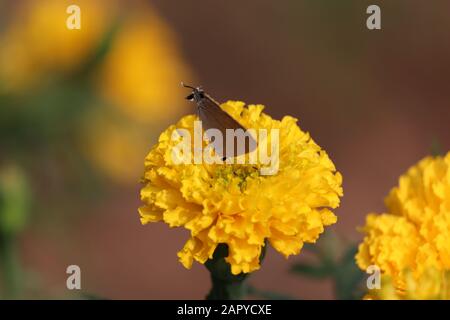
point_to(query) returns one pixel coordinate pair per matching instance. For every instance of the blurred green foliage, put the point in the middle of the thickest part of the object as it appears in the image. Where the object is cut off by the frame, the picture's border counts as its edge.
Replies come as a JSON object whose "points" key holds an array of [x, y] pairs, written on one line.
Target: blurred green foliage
{"points": [[335, 260], [39, 136], [14, 211], [14, 200], [46, 114]]}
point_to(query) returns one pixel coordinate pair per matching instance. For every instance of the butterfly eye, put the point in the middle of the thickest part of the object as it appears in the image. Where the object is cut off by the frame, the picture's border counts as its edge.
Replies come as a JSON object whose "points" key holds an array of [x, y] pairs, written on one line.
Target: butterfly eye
{"points": [[190, 97]]}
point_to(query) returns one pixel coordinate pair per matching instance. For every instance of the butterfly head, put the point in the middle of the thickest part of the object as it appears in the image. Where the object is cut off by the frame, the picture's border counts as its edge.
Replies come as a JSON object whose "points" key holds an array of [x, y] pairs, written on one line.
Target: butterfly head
{"points": [[197, 93]]}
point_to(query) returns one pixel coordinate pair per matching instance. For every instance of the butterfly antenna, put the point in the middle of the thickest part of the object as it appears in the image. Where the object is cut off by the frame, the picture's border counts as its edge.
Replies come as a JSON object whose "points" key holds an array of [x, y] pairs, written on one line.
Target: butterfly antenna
{"points": [[187, 86]]}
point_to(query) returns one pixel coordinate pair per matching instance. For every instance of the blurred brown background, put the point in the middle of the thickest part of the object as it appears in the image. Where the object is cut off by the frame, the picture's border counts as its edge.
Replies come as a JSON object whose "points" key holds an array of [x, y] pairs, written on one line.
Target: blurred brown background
{"points": [[376, 101]]}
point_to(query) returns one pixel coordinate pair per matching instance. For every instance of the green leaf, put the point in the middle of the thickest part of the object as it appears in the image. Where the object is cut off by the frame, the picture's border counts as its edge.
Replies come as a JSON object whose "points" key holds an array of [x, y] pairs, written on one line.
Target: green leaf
{"points": [[348, 277]]}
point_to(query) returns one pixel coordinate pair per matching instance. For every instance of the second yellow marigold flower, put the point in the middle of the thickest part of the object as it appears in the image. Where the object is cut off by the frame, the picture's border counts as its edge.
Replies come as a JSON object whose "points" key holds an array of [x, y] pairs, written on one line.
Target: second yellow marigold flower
{"points": [[414, 236]]}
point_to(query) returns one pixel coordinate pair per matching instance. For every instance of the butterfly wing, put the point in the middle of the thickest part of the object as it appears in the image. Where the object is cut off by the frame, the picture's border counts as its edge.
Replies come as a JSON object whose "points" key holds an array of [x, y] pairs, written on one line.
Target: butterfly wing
{"points": [[213, 117]]}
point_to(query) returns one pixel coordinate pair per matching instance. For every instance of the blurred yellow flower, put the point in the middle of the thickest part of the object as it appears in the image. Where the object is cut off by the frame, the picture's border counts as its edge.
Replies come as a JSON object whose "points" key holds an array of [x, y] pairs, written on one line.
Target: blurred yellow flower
{"points": [[113, 146], [234, 204], [430, 285], [143, 67], [391, 243], [37, 42], [415, 233]]}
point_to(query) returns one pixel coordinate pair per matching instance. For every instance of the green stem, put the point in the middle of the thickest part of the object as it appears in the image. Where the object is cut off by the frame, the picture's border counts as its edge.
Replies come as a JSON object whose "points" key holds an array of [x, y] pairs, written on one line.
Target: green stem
{"points": [[10, 268], [227, 290], [225, 285]]}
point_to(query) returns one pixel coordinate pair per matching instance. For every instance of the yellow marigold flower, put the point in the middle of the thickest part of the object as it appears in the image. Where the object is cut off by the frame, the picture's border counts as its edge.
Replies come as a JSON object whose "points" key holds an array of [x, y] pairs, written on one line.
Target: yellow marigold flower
{"points": [[236, 205], [415, 233]]}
